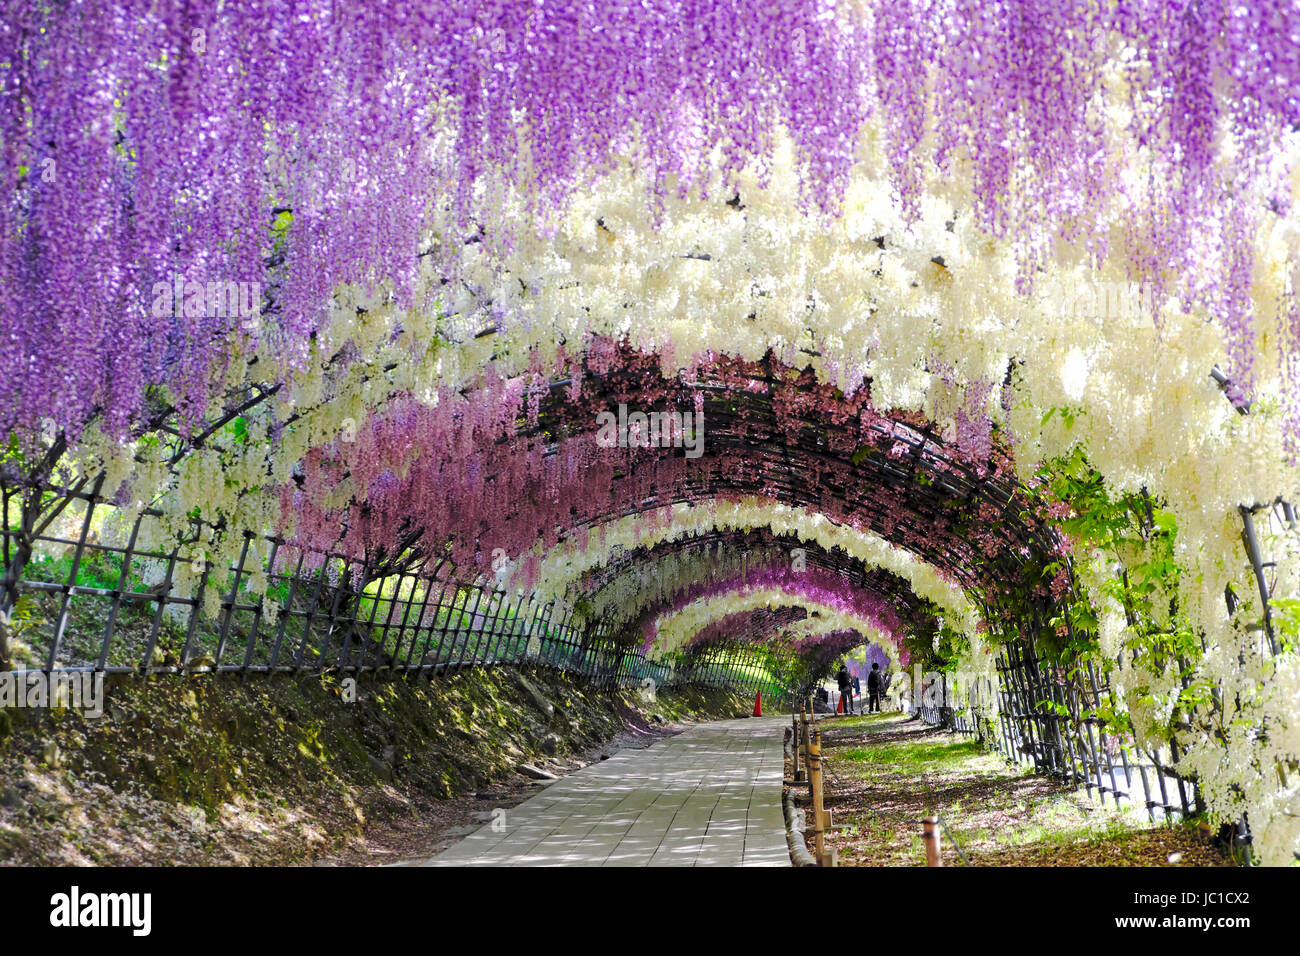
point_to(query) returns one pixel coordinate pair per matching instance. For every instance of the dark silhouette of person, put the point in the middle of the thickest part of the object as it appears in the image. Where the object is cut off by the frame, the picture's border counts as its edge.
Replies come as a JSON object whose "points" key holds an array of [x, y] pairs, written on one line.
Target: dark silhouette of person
{"points": [[845, 680], [874, 687]]}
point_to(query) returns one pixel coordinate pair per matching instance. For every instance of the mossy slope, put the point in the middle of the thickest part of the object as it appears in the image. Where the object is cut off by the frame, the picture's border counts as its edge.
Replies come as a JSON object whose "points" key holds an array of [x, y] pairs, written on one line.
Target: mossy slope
{"points": [[266, 770]]}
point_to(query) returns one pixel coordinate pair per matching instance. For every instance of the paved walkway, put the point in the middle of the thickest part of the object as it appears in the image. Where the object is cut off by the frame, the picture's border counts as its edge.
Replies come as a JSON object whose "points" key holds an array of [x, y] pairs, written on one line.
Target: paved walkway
{"points": [[711, 796]]}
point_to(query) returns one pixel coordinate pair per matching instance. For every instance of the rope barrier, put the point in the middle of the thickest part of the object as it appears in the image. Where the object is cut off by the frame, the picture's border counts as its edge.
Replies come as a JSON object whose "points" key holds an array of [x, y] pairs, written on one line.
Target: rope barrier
{"points": [[944, 823]]}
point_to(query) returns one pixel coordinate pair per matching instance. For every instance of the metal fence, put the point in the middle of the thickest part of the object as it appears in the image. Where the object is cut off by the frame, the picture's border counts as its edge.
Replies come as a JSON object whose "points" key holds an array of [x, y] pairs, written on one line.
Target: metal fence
{"points": [[125, 606], [1048, 715], [84, 603], [1049, 720]]}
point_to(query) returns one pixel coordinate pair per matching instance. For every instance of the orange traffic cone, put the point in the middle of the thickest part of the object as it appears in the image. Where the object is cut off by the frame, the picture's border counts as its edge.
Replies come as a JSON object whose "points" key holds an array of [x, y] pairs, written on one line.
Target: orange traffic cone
{"points": [[758, 705], [839, 708]]}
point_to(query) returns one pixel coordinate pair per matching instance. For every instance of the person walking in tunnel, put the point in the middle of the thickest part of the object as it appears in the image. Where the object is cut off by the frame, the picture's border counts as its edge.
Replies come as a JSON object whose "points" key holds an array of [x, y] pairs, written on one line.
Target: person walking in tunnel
{"points": [[873, 690], [845, 680]]}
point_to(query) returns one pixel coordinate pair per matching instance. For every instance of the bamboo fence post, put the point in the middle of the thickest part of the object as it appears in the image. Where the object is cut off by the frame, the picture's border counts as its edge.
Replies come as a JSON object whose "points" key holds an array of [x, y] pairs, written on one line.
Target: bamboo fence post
{"points": [[798, 746], [930, 836], [819, 814]]}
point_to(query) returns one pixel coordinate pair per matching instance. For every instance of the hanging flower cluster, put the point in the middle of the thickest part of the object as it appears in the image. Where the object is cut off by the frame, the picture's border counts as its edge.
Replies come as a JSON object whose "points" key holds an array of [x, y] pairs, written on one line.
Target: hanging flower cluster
{"points": [[640, 582], [300, 145], [489, 476], [369, 256], [824, 588], [757, 626], [835, 644], [865, 612]]}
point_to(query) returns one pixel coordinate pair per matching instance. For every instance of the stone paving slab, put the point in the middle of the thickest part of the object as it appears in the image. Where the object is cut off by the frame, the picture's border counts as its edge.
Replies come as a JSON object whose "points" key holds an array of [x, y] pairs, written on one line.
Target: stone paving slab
{"points": [[711, 796]]}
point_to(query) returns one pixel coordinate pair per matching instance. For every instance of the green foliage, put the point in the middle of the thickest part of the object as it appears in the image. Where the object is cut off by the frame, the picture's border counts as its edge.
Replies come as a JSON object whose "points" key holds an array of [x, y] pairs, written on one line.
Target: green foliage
{"points": [[1286, 622], [1133, 531], [925, 756], [934, 644]]}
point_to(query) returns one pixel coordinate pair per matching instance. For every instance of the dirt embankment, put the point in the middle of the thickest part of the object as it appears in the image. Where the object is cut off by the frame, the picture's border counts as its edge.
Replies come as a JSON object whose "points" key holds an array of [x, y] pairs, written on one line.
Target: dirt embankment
{"points": [[204, 770]]}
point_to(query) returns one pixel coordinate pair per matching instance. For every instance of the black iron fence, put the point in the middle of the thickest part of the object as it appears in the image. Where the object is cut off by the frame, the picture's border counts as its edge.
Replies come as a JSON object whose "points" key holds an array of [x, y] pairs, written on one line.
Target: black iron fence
{"points": [[78, 600], [1051, 715], [1045, 715]]}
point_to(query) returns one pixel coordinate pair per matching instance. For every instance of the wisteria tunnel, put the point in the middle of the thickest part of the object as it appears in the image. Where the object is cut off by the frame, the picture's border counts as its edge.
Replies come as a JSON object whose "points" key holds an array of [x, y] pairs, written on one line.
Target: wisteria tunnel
{"points": [[683, 347]]}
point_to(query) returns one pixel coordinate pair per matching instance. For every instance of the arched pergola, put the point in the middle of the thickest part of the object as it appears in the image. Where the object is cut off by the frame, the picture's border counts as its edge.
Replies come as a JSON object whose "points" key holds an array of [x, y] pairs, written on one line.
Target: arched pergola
{"points": [[347, 391]]}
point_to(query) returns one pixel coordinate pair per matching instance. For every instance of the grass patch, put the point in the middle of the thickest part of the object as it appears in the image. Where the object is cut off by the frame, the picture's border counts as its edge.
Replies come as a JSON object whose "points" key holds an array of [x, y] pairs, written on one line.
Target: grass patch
{"points": [[923, 757]]}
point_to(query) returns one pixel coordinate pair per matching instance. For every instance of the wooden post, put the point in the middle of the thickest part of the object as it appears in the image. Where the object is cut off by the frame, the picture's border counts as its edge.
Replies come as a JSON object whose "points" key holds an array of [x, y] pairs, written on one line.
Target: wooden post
{"points": [[931, 839], [819, 815], [798, 747], [805, 739]]}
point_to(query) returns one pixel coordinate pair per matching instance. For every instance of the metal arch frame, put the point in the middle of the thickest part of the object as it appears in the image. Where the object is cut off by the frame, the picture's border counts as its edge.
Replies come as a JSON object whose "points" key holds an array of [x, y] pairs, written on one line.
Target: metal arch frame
{"points": [[746, 627], [751, 426], [316, 601], [416, 623], [880, 581], [327, 628]]}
